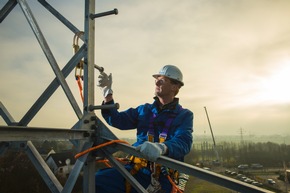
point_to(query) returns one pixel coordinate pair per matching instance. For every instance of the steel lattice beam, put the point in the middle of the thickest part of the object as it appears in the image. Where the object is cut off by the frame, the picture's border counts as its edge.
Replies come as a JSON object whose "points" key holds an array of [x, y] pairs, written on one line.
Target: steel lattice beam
{"points": [[17, 133]]}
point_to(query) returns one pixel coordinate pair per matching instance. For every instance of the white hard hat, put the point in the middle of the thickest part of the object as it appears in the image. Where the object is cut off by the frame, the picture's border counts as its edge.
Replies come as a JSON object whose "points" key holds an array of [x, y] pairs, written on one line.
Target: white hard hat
{"points": [[171, 72]]}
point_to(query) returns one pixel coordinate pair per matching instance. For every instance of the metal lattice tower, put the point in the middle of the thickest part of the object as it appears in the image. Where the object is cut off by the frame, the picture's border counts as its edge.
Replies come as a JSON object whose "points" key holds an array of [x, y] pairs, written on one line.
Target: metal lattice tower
{"points": [[89, 130]]}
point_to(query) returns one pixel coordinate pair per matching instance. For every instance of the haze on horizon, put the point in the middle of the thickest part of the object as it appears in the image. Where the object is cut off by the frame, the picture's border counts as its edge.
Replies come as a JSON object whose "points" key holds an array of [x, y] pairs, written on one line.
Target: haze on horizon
{"points": [[235, 57]]}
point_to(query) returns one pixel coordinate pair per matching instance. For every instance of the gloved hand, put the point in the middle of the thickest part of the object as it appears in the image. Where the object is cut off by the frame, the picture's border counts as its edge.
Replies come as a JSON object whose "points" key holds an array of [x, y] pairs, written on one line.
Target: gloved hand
{"points": [[152, 151], [105, 83]]}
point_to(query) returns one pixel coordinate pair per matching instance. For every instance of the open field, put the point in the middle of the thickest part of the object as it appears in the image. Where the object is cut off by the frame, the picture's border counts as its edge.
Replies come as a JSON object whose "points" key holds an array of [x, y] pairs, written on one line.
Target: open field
{"points": [[195, 185]]}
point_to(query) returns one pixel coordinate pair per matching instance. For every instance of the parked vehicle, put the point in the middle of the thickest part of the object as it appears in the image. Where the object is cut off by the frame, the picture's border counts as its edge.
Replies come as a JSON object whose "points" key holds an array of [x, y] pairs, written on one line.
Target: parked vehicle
{"points": [[271, 181], [239, 176], [243, 166], [256, 166], [248, 180], [257, 183]]}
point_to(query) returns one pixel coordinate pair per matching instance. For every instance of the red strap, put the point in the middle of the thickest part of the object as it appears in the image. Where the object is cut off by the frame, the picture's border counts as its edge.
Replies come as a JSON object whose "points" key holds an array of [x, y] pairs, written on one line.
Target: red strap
{"points": [[78, 78]]}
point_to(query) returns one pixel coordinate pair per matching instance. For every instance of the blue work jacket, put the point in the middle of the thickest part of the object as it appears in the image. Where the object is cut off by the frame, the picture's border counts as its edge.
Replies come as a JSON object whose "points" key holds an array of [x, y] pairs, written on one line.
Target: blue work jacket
{"points": [[179, 136]]}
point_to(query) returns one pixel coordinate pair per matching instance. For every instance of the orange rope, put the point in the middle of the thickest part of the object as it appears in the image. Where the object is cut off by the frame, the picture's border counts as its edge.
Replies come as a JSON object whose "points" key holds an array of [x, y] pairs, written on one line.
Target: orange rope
{"points": [[99, 146], [107, 162], [173, 184]]}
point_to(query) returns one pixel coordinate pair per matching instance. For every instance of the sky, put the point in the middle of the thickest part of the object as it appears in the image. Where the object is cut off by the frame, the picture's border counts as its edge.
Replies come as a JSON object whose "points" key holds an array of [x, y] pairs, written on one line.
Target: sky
{"points": [[234, 55]]}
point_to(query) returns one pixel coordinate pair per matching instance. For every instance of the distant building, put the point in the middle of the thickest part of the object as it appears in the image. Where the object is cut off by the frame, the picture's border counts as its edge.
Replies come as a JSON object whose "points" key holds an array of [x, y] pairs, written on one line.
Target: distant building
{"points": [[61, 163]]}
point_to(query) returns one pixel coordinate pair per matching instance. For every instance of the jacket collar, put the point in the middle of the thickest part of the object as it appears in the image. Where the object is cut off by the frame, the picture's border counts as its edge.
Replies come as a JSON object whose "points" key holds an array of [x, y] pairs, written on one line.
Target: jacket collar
{"points": [[170, 106]]}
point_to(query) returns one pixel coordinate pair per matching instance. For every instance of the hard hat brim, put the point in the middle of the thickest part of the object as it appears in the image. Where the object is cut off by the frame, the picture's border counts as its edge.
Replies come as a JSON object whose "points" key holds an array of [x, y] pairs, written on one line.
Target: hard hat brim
{"points": [[157, 75]]}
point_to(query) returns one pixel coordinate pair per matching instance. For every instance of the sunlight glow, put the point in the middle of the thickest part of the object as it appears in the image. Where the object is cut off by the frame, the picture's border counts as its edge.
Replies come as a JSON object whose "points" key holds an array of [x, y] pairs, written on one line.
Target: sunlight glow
{"points": [[274, 88]]}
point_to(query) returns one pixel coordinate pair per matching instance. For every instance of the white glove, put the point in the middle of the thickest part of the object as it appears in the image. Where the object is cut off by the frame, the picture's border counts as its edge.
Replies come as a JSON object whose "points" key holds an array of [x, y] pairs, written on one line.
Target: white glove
{"points": [[152, 151], [105, 83]]}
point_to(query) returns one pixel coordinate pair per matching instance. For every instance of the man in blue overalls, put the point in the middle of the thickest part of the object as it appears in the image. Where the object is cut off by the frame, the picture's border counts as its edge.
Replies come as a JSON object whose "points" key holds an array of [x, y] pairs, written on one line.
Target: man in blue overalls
{"points": [[163, 128]]}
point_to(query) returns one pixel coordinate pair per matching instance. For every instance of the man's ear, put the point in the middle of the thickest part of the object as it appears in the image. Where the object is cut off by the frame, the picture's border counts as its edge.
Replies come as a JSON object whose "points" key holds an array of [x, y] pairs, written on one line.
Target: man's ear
{"points": [[175, 88]]}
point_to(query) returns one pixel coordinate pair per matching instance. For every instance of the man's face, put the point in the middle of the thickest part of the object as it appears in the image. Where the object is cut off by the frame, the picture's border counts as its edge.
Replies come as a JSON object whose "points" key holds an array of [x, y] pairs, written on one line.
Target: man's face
{"points": [[163, 86]]}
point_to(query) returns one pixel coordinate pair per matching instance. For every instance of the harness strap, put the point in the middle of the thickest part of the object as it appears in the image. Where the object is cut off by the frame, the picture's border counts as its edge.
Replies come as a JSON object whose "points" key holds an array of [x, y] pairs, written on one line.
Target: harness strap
{"points": [[78, 79], [164, 133], [79, 67], [151, 128]]}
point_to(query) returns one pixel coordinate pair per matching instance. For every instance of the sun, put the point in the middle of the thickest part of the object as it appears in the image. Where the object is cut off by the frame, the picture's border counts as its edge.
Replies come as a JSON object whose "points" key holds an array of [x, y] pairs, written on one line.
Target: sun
{"points": [[274, 88]]}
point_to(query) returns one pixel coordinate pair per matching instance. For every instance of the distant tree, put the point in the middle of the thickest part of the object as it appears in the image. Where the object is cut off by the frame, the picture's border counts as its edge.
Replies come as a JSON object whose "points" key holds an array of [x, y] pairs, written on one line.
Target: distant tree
{"points": [[228, 152], [232, 154], [17, 174], [268, 154]]}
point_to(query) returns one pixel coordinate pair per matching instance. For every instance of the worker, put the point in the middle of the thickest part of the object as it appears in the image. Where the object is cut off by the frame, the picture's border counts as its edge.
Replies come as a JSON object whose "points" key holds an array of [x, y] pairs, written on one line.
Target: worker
{"points": [[163, 128]]}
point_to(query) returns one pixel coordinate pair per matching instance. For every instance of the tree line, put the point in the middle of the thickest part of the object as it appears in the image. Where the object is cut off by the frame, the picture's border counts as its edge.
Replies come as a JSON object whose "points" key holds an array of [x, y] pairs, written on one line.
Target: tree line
{"points": [[232, 154]]}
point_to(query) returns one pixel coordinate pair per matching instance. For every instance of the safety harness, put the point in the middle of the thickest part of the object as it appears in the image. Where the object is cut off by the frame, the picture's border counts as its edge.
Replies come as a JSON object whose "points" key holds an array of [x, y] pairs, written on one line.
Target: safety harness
{"points": [[80, 66], [156, 169], [155, 185]]}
